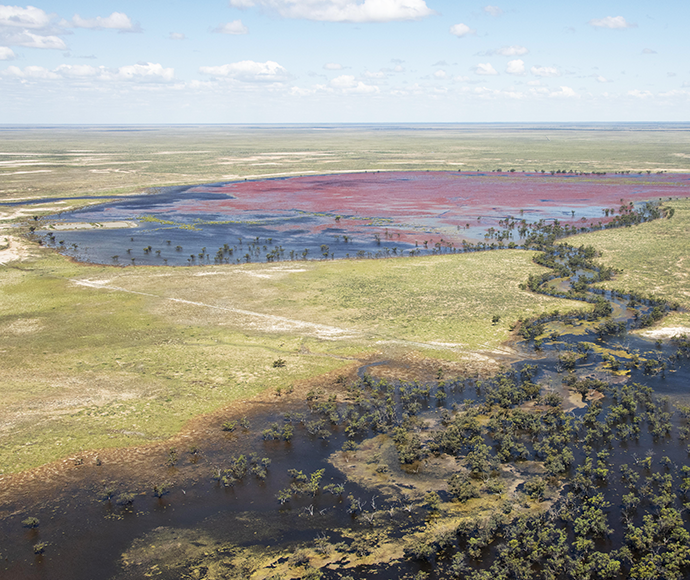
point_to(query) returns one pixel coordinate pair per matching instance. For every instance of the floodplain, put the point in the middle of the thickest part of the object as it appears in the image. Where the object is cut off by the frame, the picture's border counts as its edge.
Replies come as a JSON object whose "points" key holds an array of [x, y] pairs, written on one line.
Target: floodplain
{"points": [[133, 393]]}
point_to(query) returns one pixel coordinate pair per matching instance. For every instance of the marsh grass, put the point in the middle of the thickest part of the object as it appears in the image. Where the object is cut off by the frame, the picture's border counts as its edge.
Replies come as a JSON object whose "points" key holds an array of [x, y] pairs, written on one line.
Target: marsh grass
{"points": [[93, 368]]}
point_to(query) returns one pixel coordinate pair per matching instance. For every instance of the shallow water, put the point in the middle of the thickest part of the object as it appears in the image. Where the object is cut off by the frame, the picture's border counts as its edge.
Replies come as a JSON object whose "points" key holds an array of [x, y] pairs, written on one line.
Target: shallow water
{"points": [[341, 216]]}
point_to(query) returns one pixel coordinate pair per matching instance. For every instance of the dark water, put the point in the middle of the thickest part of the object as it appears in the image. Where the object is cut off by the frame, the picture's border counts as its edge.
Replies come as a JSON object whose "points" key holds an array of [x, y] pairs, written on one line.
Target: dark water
{"points": [[86, 536], [246, 243], [196, 237]]}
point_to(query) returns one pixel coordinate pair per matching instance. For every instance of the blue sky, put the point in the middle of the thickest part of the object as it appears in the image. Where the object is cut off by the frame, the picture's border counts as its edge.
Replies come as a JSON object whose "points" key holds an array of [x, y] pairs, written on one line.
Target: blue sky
{"points": [[314, 61]]}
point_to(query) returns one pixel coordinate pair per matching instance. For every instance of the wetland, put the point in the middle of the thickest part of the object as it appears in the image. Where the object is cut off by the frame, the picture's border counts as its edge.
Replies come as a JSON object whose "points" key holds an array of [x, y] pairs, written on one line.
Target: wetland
{"points": [[374, 443]]}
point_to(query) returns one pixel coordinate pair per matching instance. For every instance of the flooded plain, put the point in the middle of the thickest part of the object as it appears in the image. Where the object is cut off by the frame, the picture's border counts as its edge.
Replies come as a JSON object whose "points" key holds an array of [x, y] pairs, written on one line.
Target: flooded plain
{"points": [[393, 470], [351, 215]]}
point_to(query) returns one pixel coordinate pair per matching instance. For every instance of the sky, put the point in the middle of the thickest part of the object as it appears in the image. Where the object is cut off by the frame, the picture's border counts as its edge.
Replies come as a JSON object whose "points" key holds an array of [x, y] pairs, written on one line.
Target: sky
{"points": [[344, 61]]}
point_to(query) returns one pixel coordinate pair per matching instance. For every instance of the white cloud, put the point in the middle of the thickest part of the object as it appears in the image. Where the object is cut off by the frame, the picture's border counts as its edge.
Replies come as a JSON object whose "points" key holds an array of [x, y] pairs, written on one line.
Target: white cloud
{"points": [[177, 36], [79, 70], [493, 10], [29, 17], [234, 27], [649, 51], [486, 93], [343, 10], [639, 94], [32, 40], [333, 66], [141, 72], [601, 79], [511, 51], [6, 53], [545, 71], [516, 67], [485, 69], [461, 30], [301, 92], [611, 22], [375, 75], [116, 21], [30, 72], [347, 83], [249, 71], [30, 27], [441, 74], [564, 92], [344, 81], [398, 68], [148, 71]]}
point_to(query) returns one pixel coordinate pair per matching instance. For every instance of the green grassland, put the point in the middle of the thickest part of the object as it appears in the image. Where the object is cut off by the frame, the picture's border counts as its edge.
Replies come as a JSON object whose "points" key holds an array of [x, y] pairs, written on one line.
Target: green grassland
{"points": [[124, 362], [654, 258]]}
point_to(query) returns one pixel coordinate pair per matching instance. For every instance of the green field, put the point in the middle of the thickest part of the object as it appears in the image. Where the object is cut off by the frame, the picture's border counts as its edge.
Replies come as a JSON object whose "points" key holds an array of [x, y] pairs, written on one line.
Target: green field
{"points": [[654, 258]]}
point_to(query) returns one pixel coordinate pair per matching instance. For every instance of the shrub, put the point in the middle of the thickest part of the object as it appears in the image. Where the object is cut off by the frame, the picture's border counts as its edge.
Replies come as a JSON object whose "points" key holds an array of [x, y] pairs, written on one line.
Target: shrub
{"points": [[299, 558], [536, 488], [159, 490], [40, 547]]}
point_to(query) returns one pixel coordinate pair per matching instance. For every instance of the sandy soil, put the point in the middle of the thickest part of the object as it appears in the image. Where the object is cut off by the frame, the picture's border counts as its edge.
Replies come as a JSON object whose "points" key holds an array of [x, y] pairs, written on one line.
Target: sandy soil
{"points": [[10, 213], [92, 226], [13, 249], [669, 332]]}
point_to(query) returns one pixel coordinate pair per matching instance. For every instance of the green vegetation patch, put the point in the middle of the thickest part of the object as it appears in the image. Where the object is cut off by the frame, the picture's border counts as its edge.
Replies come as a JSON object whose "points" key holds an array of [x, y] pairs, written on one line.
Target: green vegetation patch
{"points": [[448, 300], [87, 368], [654, 258]]}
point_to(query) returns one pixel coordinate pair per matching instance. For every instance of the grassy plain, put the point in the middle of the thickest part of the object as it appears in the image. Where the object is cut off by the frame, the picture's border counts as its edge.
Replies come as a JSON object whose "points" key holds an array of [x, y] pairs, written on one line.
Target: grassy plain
{"points": [[97, 356], [654, 258], [104, 356]]}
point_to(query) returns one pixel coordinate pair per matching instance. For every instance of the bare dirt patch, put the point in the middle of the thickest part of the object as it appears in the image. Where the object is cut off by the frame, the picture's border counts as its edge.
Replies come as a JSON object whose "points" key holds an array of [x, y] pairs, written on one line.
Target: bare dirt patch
{"points": [[670, 332], [67, 226], [23, 326], [13, 249], [11, 214]]}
